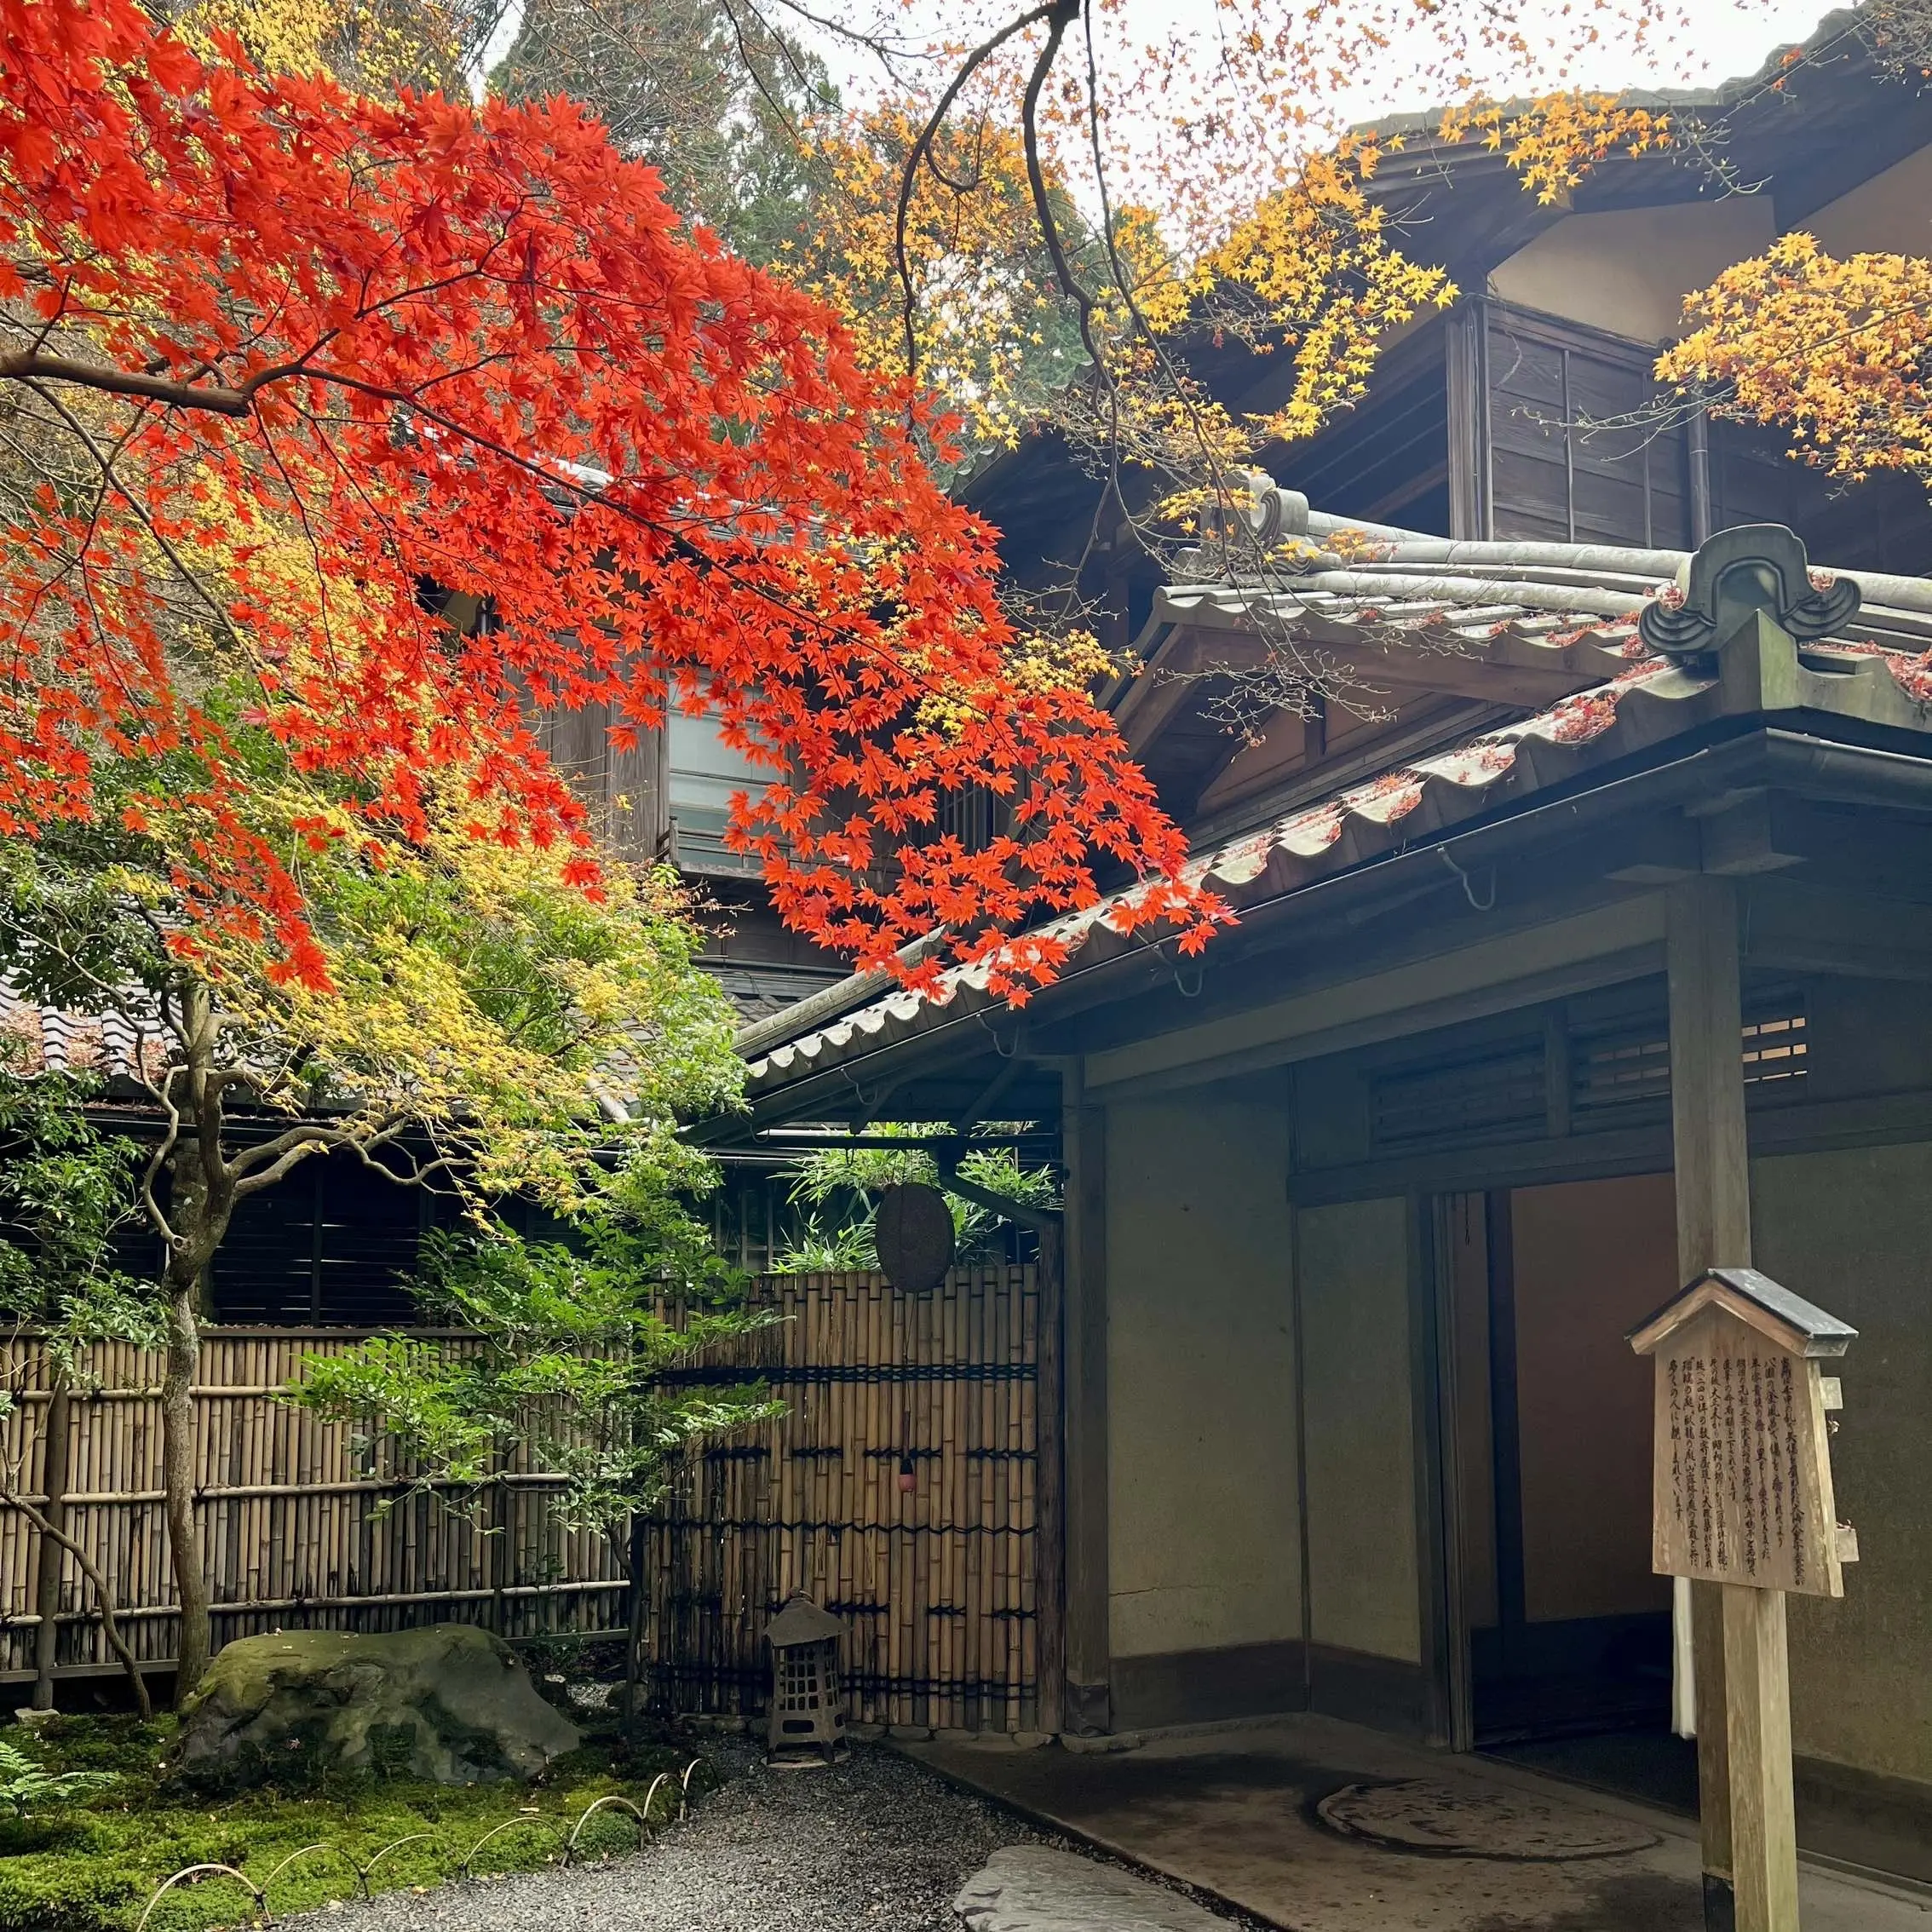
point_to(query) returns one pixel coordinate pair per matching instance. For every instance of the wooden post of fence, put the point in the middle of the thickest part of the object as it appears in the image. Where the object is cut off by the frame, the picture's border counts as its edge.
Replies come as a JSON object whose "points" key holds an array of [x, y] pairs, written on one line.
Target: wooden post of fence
{"points": [[500, 1533], [52, 1558], [1049, 1518], [634, 1618]]}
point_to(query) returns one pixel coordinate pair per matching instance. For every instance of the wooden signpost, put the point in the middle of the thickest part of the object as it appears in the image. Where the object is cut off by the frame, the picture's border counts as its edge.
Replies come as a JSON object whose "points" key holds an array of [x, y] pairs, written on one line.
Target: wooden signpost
{"points": [[1743, 1498]]}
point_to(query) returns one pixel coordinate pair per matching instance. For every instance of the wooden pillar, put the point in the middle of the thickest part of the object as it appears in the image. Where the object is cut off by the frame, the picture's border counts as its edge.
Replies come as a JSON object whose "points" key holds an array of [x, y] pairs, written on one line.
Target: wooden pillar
{"points": [[1087, 1702], [1713, 1187]]}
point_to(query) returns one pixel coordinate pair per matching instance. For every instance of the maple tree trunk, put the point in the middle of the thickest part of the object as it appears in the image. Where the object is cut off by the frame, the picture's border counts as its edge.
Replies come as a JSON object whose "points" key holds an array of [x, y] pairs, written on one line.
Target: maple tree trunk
{"points": [[201, 1201], [177, 1480], [47, 1577]]}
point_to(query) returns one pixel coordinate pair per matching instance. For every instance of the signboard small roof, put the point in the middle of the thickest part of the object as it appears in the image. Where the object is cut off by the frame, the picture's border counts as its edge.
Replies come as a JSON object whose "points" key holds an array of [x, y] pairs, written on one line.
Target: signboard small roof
{"points": [[1756, 1299]]}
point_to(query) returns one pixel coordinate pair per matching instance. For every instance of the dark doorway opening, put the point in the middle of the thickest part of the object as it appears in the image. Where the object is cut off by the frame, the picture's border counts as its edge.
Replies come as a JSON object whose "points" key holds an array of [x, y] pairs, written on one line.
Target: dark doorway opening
{"points": [[1567, 1630]]}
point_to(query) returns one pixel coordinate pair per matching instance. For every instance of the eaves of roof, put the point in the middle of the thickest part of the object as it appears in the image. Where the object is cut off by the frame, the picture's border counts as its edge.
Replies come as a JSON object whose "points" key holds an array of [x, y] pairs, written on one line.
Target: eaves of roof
{"points": [[1879, 677]]}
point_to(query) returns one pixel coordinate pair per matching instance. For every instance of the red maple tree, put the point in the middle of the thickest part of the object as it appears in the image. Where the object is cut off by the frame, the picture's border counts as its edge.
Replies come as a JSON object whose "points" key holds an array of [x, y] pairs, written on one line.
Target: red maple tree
{"points": [[290, 356]]}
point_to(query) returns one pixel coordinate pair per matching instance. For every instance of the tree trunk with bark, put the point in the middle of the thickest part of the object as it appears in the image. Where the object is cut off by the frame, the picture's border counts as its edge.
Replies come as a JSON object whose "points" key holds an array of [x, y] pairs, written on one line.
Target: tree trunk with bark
{"points": [[178, 1484], [201, 1202]]}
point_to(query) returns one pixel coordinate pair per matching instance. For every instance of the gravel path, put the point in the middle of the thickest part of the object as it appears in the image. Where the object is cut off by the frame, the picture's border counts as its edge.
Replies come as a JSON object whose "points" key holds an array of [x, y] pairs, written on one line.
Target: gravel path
{"points": [[877, 1844]]}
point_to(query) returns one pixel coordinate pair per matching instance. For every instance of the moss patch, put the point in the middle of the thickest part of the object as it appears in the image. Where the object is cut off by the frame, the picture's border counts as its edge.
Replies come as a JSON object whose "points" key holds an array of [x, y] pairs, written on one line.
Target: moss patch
{"points": [[92, 1864]]}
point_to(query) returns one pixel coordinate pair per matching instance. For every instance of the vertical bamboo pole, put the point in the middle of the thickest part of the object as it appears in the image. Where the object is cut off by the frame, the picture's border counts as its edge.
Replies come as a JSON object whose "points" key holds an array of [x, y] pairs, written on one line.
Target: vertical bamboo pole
{"points": [[52, 1559]]}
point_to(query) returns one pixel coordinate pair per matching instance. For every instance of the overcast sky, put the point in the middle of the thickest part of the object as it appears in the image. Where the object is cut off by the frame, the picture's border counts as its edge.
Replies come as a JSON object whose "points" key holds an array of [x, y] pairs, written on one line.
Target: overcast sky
{"points": [[1725, 38]]}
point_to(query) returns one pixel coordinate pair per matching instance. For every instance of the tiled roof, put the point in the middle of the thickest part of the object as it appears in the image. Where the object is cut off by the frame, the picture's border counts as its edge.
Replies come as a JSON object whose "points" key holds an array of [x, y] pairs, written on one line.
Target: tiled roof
{"points": [[1555, 606], [55, 1041]]}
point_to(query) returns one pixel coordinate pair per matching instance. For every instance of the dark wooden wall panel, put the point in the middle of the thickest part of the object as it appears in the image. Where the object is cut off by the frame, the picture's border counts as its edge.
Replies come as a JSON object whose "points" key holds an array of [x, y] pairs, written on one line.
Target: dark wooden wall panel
{"points": [[1579, 454]]}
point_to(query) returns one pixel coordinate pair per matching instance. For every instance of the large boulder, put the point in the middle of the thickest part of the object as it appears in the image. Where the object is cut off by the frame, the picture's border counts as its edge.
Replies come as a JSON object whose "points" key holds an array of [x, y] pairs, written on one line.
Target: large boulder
{"points": [[449, 1702]]}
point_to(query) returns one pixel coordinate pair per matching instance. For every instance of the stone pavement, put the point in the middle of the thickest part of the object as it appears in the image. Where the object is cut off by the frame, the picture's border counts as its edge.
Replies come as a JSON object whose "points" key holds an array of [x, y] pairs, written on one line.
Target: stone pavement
{"points": [[1040, 1889], [1318, 1826]]}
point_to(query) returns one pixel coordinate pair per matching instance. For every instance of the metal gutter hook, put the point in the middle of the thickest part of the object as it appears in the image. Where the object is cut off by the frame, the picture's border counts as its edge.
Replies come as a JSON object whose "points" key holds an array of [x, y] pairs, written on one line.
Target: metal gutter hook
{"points": [[1487, 904]]}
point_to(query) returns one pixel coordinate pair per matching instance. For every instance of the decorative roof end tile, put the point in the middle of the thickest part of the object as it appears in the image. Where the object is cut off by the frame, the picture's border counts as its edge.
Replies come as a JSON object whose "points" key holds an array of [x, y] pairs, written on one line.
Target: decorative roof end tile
{"points": [[1756, 566]]}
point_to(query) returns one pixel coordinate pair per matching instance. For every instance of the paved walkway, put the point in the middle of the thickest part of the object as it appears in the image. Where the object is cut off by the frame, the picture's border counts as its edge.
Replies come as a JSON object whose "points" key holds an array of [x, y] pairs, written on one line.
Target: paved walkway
{"points": [[1320, 1827]]}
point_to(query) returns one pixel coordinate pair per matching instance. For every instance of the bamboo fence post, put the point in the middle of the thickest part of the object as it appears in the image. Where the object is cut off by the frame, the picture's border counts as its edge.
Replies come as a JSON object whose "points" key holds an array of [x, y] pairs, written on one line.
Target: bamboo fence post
{"points": [[51, 1561]]}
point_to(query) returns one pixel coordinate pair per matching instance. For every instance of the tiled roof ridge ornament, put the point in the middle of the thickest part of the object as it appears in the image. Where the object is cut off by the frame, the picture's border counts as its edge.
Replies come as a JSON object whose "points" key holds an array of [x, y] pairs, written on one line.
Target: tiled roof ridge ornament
{"points": [[1276, 513], [1753, 567]]}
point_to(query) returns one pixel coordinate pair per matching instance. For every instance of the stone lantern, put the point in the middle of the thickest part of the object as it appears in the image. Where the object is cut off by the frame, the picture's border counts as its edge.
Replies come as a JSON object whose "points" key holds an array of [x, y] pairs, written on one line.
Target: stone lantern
{"points": [[808, 1710]]}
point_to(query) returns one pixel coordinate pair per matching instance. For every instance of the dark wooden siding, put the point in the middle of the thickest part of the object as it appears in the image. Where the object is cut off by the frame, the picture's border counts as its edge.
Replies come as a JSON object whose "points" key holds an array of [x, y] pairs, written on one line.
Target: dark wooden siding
{"points": [[1883, 523], [329, 1243], [1386, 460], [1578, 453]]}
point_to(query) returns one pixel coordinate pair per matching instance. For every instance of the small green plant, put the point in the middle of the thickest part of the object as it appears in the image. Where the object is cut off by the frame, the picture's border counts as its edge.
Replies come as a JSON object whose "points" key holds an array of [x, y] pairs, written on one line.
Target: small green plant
{"points": [[839, 1187], [24, 1783]]}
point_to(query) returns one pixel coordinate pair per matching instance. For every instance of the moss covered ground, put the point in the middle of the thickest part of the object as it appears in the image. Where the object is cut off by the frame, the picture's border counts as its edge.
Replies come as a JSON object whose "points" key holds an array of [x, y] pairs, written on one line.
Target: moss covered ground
{"points": [[94, 1862]]}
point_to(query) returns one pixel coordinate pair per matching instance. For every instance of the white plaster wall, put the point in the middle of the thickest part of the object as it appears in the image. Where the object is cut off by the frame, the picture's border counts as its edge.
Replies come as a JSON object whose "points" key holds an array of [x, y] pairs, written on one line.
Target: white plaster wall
{"points": [[1364, 1587], [1204, 1548], [1852, 1231], [1628, 269], [1891, 214]]}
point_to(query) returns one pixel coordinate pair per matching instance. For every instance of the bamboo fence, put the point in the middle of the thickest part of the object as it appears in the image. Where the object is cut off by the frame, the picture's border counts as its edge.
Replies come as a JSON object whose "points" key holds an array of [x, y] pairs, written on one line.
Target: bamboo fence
{"points": [[298, 1530], [935, 1581]]}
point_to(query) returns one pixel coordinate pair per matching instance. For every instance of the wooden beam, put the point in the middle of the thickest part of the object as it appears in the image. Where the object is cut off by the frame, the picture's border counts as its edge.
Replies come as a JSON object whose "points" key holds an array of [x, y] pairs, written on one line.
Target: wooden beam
{"points": [[1518, 966], [1495, 676], [1466, 352], [1087, 1702], [1740, 835], [1171, 674], [1281, 745], [1713, 1187]]}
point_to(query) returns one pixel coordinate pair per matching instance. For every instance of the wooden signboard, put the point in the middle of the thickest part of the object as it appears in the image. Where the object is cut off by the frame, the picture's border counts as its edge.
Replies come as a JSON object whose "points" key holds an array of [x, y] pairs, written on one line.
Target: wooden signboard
{"points": [[1743, 1467], [1742, 1486]]}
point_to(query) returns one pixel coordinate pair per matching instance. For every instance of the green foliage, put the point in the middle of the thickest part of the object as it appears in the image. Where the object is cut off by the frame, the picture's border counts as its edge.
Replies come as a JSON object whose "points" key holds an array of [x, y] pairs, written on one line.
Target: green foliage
{"points": [[92, 1864], [712, 94], [24, 1782], [465, 992], [841, 1184], [65, 1190], [573, 1342]]}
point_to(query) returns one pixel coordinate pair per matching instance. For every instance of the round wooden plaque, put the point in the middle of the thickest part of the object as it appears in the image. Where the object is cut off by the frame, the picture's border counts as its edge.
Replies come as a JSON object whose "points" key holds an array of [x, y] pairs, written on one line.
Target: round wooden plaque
{"points": [[912, 1231]]}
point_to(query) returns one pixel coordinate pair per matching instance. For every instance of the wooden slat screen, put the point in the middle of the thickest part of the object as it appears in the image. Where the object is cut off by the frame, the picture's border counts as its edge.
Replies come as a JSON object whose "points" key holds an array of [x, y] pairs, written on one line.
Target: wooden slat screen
{"points": [[295, 1533]]}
